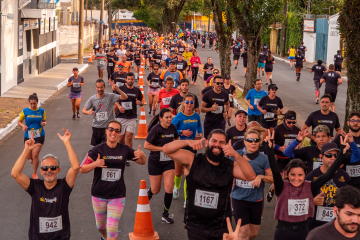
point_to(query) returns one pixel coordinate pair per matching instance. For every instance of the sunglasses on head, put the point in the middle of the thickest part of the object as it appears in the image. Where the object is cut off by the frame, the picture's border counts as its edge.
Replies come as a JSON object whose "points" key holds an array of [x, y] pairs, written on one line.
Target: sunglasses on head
{"points": [[113, 129], [219, 83], [291, 122], [187, 102], [52, 168], [250, 140], [329, 155]]}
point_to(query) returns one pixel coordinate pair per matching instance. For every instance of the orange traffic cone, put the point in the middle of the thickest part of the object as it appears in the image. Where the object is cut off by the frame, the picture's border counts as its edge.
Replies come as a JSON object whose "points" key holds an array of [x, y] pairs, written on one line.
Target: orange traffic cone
{"points": [[142, 69], [142, 91], [143, 229], [93, 55], [90, 59], [141, 80], [142, 129]]}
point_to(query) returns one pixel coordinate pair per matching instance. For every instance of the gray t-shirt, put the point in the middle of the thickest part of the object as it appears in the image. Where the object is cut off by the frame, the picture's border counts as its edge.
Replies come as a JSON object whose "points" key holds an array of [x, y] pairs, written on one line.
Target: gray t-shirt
{"points": [[101, 59], [76, 81], [104, 109], [329, 232]]}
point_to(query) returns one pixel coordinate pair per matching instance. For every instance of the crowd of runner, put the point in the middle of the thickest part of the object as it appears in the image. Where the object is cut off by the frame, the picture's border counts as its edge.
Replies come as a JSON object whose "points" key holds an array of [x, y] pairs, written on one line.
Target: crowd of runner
{"points": [[317, 186]]}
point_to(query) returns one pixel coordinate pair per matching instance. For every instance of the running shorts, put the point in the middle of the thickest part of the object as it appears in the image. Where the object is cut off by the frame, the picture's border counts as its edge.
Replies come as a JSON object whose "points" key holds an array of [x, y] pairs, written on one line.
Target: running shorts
{"points": [[338, 68], [158, 168], [98, 136], [205, 234], [236, 57], [127, 125], [40, 140], [261, 65], [248, 212], [268, 124], [291, 57], [100, 67], [268, 70], [332, 93], [153, 91], [317, 84], [75, 95]]}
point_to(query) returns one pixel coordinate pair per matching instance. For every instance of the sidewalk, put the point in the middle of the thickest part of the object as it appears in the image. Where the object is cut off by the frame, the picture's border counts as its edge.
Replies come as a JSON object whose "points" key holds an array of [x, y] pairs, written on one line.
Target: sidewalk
{"points": [[44, 85]]}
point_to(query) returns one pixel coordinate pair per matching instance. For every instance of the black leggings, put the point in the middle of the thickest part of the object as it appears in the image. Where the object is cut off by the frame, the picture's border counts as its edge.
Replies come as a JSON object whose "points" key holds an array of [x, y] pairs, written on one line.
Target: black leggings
{"points": [[194, 72], [288, 234], [110, 71]]}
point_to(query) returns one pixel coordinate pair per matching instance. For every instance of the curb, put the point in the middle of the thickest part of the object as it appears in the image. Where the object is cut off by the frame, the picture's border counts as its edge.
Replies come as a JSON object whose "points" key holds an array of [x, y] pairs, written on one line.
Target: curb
{"points": [[11, 126]]}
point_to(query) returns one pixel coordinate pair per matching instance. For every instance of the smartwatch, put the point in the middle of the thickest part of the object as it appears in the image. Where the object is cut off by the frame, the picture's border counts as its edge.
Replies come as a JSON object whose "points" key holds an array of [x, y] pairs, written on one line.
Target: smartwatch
{"points": [[180, 132]]}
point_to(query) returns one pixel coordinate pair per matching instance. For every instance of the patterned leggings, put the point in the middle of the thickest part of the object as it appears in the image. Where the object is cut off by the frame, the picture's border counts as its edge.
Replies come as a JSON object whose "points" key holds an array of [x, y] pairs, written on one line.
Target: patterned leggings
{"points": [[108, 213]]}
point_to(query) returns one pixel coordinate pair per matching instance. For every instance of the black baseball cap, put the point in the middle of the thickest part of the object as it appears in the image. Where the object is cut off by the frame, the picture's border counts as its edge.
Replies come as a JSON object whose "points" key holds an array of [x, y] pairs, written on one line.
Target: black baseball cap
{"points": [[271, 86], [172, 62], [75, 69], [241, 111], [227, 77], [327, 147], [179, 53]]}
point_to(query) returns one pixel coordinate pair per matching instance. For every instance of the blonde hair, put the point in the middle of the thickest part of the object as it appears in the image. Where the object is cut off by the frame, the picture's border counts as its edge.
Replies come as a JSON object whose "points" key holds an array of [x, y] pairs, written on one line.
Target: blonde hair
{"points": [[258, 130], [181, 108]]}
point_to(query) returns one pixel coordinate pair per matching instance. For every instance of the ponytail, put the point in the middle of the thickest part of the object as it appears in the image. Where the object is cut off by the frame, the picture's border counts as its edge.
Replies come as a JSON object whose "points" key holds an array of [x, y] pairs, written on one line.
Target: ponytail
{"points": [[33, 97], [156, 118]]}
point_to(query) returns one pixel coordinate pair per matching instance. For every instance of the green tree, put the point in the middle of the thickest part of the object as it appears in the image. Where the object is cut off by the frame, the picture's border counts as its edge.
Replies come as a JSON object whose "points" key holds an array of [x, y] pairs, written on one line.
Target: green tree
{"points": [[350, 31]]}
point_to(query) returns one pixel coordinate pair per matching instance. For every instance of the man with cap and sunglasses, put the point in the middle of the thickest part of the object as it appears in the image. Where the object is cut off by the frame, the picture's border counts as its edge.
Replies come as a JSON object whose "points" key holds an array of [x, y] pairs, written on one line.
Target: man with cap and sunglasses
{"points": [[236, 133], [172, 72]]}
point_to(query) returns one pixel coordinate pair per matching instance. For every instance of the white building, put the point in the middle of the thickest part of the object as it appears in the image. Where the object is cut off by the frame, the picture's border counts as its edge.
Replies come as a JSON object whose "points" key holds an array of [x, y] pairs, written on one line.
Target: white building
{"points": [[333, 38]]}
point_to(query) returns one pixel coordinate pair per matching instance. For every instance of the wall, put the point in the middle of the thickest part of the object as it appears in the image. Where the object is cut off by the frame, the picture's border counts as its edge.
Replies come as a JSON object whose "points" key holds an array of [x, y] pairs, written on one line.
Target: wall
{"points": [[310, 43], [69, 37], [333, 39]]}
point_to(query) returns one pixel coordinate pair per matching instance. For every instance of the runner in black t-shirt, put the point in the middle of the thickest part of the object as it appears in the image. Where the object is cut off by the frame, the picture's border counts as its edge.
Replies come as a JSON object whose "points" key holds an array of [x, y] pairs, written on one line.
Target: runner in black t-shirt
{"points": [[236, 133], [108, 190], [206, 89], [319, 71], [208, 67], [178, 98], [151, 53], [203, 41], [265, 48], [111, 60], [244, 58], [49, 216], [118, 77], [299, 60], [160, 166], [269, 62], [302, 49], [156, 58], [261, 62], [236, 49], [154, 84], [137, 63], [211, 41], [332, 80], [230, 89], [338, 60], [181, 64]]}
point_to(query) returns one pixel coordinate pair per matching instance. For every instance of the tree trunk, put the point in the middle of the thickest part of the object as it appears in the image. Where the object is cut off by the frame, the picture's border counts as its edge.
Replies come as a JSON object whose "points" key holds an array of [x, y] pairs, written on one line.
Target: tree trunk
{"points": [[253, 47], [224, 55]]}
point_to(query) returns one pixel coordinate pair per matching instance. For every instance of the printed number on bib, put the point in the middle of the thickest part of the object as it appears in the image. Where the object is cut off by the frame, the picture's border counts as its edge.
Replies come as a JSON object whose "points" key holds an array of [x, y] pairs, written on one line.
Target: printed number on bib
{"points": [[164, 157], [155, 84], [110, 174], [48, 225], [111, 64], [76, 85], [127, 105], [243, 184], [325, 214], [102, 62], [353, 170], [317, 164], [230, 98], [256, 101], [218, 110], [119, 84], [195, 64], [209, 72], [288, 141], [206, 199], [36, 133], [166, 101], [269, 115], [180, 66], [298, 207], [101, 116]]}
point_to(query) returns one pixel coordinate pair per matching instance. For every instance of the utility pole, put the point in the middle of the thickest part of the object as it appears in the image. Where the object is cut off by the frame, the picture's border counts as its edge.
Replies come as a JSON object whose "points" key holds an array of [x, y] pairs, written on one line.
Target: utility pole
{"points": [[283, 31], [308, 7], [101, 24], [81, 33], [86, 9], [110, 20]]}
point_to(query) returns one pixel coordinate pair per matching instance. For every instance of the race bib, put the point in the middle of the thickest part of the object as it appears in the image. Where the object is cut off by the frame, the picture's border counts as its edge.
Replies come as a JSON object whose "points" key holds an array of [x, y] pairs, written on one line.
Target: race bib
{"points": [[110, 174], [158, 61], [36, 133], [151, 55], [195, 64], [243, 184], [180, 66], [76, 85], [164, 157], [288, 141], [111, 64], [208, 72], [127, 105], [206, 199], [48, 225], [317, 164], [325, 214], [155, 84], [353, 170], [218, 110], [101, 116], [166, 101], [230, 98], [256, 101], [181, 49], [119, 84], [102, 62], [298, 207], [269, 115]]}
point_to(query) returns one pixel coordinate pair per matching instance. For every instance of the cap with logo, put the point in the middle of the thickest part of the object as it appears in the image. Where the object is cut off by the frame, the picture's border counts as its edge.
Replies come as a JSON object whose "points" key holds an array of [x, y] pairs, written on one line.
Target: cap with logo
{"points": [[271, 86], [241, 111], [290, 117], [227, 76], [327, 147]]}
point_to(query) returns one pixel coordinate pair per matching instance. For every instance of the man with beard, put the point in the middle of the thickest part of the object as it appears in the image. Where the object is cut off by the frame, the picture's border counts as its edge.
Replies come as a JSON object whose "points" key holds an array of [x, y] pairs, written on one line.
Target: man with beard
{"points": [[178, 98], [100, 106], [345, 226], [209, 180], [49, 216]]}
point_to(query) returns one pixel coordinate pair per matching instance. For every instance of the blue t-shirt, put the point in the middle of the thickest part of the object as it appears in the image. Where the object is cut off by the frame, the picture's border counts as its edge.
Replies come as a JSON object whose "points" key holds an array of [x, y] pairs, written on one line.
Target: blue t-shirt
{"points": [[33, 121], [246, 193], [254, 97], [113, 40], [183, 122]]}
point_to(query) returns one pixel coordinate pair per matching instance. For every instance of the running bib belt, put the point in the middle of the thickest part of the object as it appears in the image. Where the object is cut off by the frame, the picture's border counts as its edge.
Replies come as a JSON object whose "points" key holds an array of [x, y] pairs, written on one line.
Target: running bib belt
{"points": [[110, 174], [48, 225], [218, 110], [36, 133], [76, 85], [325, 214], [298, 207], [244, 184], [353, 170], [101, 116], [127, 105], [269, 115], [206, 199], [164, 157]]}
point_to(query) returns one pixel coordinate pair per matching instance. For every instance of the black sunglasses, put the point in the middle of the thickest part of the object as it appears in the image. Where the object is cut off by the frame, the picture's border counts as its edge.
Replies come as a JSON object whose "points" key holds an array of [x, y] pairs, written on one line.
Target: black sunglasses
{"points": [[216, 72], [329, 155], [113, 129], [219, 83], [156, 69], [52, 168], [250, 140], [291, 122]]}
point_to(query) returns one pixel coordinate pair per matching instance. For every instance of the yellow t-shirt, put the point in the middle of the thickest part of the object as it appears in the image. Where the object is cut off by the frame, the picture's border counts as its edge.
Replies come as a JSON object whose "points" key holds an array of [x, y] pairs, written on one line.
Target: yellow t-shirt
{"points": [[187, 57], [292, 52]]}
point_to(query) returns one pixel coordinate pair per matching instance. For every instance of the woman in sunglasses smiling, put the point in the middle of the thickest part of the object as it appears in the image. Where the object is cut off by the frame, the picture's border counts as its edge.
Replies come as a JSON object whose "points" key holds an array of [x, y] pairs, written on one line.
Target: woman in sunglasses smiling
{"points": [[247, 196], [108, 190], [187, 123]]}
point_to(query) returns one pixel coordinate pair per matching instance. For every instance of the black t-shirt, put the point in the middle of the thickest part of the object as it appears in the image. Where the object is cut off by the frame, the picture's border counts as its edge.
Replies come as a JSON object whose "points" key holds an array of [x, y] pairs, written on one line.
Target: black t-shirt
{"points": [[159, 136], [157, 58], [339, 180], [109, 182], [151, 52], [270, 105], [208, 73], [221, 99], [338, 59], [177, 100], [119, 79], [329, 232], [181, 48], [154, 79], [299, 60], [265, 48], [206, 89], [310, 155], [262, 56], [145, 52], [229, 90], [244, 57], [137, 59], [317, 118], [283, 137], [269, 64], [111, 60], [181, 65], [129, 57], [211, 39], [203, 39], [172, 48], [133, 49], [130, 103], [49, 216], [331, 80], [235, 135], [236, 49], [302, 49], [318, 71]]}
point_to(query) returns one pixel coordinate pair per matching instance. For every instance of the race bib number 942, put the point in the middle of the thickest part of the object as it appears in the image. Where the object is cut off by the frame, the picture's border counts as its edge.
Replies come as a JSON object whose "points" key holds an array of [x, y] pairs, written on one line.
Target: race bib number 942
{"points": [[48, 225]]}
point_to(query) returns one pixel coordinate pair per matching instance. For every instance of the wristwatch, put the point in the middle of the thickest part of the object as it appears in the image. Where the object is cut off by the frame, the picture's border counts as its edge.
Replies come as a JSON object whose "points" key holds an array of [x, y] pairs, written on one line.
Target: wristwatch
{"points": [[180, 132]]}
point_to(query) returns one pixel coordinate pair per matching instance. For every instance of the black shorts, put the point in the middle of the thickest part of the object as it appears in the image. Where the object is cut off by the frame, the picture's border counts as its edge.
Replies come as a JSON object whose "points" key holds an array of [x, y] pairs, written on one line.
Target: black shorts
{"points": [[268, 70], [317, 84], [231, 104], [206, 234], [158, 168], [254, 118], [245, 64], [40, 140], [248, 212], [211, 44], [236, 57], [332, 93], [338, 68], [268, 124], [98, 136], [281, 163]]}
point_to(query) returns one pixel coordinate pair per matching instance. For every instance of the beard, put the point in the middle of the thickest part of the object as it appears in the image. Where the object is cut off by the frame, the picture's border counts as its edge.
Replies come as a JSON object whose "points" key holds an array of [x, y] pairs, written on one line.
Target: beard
{"points": [[213, 157], [344, 225], [354, 129]]}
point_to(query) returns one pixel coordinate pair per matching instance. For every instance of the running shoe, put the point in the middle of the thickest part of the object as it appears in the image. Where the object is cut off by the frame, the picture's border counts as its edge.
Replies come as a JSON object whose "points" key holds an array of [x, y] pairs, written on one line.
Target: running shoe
{"points": [[270, 81], [150, 110], [184, 204], [167, 218], [269, 195], [176, 193], [317, 101], [259, 75], [154, 113], [194, 83], [235, 67], [78, 115], [102, 238], [127, 163], [35, 176], [297, 79], [30, 160], [74, 117]]}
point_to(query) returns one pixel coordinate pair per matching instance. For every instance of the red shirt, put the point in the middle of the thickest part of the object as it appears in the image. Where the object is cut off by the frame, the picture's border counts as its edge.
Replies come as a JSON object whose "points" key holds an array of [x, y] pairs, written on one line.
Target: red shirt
{"points": [[165, 97]]}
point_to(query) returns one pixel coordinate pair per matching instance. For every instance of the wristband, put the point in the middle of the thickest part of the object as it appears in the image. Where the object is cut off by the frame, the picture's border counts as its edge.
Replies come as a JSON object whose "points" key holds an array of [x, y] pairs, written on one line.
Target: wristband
{"points": [[276, 147]]}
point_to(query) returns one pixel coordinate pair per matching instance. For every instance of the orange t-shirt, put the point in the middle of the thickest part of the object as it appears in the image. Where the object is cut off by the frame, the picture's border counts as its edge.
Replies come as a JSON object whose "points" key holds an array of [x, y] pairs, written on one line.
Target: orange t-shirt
{"points": [[127, 66]]}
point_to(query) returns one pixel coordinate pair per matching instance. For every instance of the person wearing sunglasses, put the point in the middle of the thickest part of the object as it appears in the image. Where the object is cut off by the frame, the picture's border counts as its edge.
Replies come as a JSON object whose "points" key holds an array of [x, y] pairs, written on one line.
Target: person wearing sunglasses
{"points": [[188, 125], [176, 101], [161, 166], [108, 190], [215, 103], [236, 133], [49, 216], [247, 196], [154, 85], [208, 69], [230, 89], [269, 106], [209, 80], [324, 198]]}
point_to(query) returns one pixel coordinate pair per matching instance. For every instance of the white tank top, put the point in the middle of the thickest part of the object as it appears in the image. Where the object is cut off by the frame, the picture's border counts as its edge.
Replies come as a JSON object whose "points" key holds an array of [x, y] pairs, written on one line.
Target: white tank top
{"points": [[164, 55]]}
